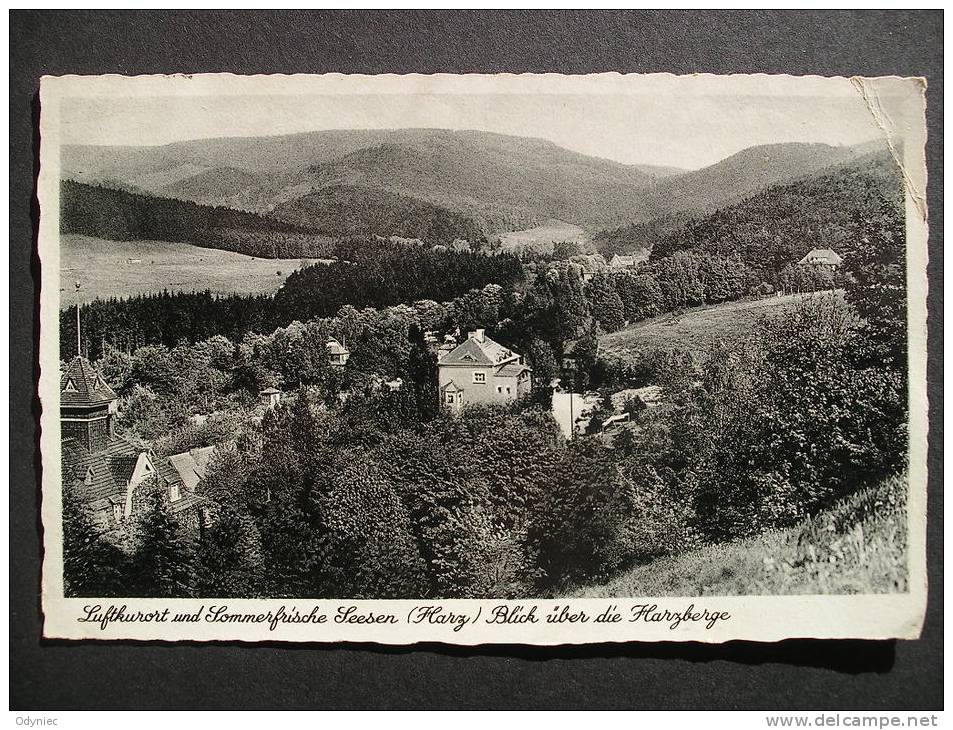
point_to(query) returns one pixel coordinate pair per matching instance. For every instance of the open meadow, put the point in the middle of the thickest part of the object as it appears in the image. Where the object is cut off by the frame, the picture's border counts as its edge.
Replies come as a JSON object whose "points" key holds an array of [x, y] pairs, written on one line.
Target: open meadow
{"points": [[542, 237], [696, 330], [125, 268]]}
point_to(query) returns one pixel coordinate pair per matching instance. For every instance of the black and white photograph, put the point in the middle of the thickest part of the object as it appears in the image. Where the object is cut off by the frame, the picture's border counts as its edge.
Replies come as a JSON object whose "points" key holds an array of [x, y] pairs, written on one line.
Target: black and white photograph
{"points": [[543, 359]]}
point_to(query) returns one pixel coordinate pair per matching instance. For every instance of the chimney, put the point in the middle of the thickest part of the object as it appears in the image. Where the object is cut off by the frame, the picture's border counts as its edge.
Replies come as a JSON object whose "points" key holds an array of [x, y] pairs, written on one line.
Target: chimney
{"points": [[478, 335]]}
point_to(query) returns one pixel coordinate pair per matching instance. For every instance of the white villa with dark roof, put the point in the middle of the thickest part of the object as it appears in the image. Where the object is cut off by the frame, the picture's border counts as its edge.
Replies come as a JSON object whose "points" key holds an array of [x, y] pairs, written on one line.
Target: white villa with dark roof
{"points": [[481, 370]]}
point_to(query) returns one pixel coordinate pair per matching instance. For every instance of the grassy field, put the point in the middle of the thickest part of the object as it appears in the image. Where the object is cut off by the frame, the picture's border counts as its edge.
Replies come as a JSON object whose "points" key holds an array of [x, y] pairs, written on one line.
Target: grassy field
{"points": [[857, 546], [542, 237], [125, 268], [698, 329]]}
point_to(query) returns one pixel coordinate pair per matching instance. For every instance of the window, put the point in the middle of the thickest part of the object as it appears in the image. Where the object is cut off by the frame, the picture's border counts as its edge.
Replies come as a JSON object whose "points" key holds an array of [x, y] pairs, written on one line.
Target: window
{"points": [[174, 494], [507, 391], [117, 512], [70, 387], [479, 377], [499, 389], [449, 399]]}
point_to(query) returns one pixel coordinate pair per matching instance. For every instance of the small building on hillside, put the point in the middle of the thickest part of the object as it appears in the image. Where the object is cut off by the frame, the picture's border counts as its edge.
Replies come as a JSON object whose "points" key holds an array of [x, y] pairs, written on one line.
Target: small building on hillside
{"points": [[822, 257], [480, 370], [622, 263], [338, 354], [269, 397]]}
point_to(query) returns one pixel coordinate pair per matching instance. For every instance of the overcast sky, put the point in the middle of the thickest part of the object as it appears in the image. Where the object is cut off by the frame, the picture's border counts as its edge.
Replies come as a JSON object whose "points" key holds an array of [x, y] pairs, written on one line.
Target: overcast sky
{"points": [[678, 131]]}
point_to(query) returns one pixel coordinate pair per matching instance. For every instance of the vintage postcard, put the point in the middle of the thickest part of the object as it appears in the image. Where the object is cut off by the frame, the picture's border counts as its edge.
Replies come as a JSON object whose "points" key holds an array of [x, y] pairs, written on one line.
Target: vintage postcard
{"points": [[478, 359]]}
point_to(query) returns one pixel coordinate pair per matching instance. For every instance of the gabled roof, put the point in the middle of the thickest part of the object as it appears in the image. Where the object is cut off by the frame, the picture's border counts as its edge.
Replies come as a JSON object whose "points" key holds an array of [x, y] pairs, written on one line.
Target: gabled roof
{"points": [[478, 352], [451, 387], [108, 471], [512, 370], [81, 385], [619, 260], [189, 467], [822, 254], [268, 391]]}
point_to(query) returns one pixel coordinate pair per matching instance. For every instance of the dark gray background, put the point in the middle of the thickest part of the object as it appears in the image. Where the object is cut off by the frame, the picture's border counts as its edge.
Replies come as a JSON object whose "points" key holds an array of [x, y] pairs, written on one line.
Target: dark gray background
{"points": [[791, 675]]}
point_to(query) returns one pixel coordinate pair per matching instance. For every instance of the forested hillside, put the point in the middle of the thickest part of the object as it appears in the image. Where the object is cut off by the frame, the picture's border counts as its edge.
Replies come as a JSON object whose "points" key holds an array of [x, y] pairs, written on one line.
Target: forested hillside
{"points": [[503, 182], [349, 210], [301, 228], [118, 215], [728, 184], [777, 227]]}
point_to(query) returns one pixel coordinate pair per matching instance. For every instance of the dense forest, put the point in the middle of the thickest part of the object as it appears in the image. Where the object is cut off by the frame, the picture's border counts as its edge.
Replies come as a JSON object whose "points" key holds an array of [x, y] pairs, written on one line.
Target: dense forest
{"points": [[351, 210], [118, 215], [302, 228], [374, 274], [778, 226]]}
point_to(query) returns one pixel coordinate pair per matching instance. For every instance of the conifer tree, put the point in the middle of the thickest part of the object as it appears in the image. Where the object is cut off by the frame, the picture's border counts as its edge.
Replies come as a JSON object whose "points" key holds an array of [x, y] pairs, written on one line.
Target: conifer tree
{"points": [[229, 559], [92, 566], [163, 561]]}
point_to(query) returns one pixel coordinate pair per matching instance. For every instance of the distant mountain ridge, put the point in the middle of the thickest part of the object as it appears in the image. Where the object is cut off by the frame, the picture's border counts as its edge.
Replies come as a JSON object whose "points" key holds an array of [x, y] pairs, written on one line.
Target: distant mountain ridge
{"points": [[499, 182], [504, 182]]}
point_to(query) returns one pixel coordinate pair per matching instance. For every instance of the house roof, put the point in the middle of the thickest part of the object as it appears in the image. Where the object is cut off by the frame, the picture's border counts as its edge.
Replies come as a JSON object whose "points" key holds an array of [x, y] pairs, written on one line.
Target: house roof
{"points": [[268, 391], [336, 348], [512, 370], [188, 468], [619, 260], [109, 470], [451, 387], [823, 254], [475, 351], [81, 385], [189, 471]]}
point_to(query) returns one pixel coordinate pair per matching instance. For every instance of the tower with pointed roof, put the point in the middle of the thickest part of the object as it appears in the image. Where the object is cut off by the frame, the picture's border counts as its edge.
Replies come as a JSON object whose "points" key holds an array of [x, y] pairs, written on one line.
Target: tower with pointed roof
{"points": [[87, 406]]}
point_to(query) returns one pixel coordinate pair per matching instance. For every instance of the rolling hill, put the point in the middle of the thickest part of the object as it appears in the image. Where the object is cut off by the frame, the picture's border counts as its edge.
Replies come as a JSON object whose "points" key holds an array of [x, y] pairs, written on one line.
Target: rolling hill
{"points": [[352, 210], [504, 182], [777, 226], [501, 183], [680, 199]]}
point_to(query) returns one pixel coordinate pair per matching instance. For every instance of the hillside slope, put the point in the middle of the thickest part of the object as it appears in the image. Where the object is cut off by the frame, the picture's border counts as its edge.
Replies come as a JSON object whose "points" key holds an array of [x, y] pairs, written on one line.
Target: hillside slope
{"points": [[679, 200], [353, 210], [778, 226], [507, 182], [857, 546], [698, 330]]}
